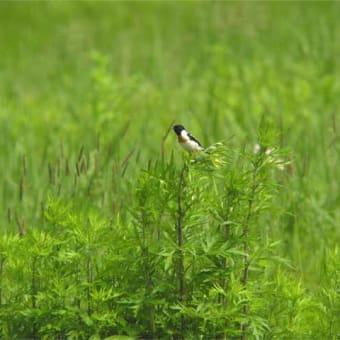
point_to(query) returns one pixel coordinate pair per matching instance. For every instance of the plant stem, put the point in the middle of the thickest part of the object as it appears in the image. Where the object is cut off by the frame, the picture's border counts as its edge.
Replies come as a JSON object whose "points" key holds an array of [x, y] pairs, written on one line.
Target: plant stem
{"points": [[246, 251], [33, 295], [147, 273], [179, 229], [89, 286]]}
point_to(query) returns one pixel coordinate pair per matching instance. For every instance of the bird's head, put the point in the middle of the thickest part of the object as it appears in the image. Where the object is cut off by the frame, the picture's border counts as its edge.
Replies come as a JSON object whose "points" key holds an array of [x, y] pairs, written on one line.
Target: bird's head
{"points": [[178, 129]]}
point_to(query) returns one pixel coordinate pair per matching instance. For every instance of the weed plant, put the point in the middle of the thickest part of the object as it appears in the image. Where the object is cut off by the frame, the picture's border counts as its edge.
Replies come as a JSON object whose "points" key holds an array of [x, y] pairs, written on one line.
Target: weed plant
{"points": [[193, 258]]}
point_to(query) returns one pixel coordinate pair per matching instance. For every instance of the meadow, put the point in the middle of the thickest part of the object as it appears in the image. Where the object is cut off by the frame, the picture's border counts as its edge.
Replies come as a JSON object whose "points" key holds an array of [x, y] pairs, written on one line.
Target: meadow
{"points": [[109, 230]]}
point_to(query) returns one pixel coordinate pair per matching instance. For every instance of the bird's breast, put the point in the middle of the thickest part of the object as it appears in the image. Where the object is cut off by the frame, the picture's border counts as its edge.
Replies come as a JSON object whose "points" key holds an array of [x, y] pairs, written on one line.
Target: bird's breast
{"points": [[182, 139]]}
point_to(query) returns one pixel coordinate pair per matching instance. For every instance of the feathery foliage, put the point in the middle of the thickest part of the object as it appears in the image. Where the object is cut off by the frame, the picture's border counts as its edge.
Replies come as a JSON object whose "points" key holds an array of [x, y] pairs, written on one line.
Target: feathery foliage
{"points": [[109, 231]]}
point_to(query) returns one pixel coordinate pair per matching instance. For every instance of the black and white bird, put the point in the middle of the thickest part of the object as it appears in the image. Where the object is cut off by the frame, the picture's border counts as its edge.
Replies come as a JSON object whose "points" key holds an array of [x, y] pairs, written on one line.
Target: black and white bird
{"points": [[187, 141]]}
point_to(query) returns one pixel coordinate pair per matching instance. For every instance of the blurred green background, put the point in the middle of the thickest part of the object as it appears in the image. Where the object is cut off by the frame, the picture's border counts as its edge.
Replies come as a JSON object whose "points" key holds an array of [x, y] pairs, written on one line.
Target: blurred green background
{"points": [[78, 77]]}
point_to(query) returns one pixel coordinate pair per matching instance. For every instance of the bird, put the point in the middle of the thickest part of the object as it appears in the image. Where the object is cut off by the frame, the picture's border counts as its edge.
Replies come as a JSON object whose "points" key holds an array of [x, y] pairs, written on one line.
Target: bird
{"points": [[186, 140]]}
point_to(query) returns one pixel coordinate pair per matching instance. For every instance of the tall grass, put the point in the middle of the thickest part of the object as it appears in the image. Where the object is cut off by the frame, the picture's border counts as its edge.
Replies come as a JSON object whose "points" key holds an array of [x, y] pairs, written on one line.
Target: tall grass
{"points": [[91, 173]]}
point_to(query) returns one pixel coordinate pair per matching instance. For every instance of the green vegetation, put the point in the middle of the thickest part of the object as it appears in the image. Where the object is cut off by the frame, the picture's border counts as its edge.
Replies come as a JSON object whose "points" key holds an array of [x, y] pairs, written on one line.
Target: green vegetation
{"points": [[109, 230]]}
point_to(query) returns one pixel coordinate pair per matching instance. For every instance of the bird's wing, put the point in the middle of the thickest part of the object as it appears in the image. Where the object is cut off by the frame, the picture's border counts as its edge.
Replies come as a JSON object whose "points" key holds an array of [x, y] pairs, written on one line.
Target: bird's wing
{"points": [[194, 139]]}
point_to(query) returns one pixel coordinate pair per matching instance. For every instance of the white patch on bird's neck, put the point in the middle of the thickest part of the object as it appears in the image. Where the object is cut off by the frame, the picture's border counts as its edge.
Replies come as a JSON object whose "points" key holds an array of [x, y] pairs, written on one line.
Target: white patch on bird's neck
{"points": [[184, 135]]}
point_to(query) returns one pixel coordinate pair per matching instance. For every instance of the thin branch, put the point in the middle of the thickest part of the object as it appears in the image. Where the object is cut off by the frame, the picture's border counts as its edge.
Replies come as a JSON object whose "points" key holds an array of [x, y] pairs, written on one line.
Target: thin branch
{"points": [[179, 229], [246, 251]]}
